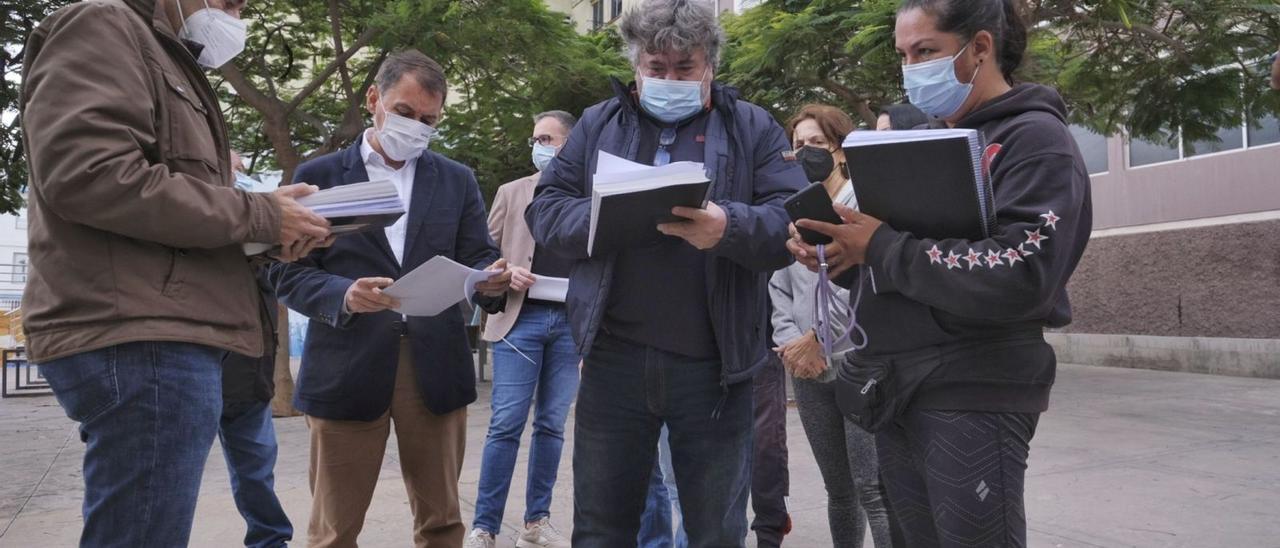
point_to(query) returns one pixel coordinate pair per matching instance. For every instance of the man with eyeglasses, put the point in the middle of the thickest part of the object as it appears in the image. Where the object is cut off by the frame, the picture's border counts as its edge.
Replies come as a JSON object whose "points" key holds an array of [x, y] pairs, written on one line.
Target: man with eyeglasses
{"points": [[671, 329], [533, 359]]}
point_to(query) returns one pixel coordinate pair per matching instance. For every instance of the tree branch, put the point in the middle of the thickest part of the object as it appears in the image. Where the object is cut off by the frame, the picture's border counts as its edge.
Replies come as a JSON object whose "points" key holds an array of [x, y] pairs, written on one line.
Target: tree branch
{"points": [[319, 79], [335, 24]]}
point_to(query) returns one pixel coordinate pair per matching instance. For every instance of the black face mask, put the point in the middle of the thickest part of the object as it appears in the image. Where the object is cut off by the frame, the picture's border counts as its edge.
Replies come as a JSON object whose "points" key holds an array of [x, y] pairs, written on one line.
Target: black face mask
{"points": [[817, 163]]}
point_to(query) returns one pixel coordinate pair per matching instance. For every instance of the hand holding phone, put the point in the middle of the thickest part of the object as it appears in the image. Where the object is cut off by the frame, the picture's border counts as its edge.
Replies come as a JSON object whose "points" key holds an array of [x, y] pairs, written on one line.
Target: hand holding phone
{"points": [[812, 203]]}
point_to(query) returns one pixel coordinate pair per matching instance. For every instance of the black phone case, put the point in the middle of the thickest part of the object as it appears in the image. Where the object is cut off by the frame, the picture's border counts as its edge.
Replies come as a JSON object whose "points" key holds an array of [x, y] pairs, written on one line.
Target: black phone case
{"points": [[812, 203]]}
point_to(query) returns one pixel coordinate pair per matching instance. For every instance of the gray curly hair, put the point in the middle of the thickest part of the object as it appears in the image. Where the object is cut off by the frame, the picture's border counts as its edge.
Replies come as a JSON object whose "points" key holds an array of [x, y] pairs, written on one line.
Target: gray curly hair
{"points": [[682, 26]]}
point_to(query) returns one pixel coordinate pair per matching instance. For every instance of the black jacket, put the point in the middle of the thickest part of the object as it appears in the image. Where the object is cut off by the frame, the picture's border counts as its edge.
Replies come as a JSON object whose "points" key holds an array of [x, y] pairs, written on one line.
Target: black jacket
{"points": [[751, 173], [986, 303]]}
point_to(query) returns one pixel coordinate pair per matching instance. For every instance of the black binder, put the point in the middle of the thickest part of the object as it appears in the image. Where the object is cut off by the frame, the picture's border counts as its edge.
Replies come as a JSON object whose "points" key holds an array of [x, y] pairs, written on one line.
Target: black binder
{"points": [[628, 203], [930, 183]]}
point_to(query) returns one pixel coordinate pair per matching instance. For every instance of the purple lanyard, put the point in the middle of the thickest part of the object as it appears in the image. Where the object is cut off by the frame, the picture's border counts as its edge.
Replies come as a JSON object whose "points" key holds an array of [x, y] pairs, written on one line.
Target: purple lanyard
{"points": [[823, 325]]}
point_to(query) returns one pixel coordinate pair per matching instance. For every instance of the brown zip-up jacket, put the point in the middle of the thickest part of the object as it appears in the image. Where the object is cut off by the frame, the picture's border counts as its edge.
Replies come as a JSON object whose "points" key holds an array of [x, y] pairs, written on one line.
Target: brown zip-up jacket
{"points": [[135, 226]]}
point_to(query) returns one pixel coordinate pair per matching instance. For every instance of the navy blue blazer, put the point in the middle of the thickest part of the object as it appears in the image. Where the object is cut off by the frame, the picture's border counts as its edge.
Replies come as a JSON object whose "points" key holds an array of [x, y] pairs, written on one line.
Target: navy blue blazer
{"points": [[349, 363]]}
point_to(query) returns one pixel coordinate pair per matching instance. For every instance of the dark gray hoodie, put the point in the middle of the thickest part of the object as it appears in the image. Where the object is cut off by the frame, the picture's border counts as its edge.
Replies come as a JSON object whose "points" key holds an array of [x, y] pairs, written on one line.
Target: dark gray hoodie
{"points": [[986, 303]]}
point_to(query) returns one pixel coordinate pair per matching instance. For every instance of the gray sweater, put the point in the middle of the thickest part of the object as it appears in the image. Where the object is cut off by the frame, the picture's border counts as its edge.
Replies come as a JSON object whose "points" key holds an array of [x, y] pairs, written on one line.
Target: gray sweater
{"points": [[791, 291]]}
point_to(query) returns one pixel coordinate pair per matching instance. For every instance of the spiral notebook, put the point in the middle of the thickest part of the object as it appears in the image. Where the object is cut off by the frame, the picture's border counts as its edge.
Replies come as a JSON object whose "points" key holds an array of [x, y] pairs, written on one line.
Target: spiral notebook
{"points": [[930, 183]]}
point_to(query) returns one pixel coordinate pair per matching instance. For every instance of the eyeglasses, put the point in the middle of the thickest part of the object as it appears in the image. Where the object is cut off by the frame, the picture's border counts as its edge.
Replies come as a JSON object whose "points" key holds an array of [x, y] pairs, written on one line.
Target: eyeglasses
{"points": [[665, 139], [544, 140]]}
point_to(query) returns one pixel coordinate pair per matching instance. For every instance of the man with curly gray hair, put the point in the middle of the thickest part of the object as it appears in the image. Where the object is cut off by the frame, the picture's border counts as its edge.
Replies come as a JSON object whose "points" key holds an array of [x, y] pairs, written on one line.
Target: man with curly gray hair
{"points": [[672, 322]]}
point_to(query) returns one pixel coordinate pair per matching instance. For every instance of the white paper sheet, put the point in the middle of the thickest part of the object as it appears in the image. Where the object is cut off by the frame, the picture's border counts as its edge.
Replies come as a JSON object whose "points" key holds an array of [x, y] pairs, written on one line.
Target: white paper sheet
{"points": [[435, 286], [549, 288]]}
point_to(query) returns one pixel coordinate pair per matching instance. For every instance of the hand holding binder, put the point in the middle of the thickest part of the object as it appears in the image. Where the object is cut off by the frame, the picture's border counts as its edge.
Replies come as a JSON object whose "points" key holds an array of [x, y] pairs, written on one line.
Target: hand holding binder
{"points": [[703, 229]]}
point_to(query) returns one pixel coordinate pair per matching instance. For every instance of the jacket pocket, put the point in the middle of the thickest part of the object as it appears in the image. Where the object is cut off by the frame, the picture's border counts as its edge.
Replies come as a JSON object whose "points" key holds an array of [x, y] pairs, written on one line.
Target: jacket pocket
{"points": [[191, 137], [85, 384], [174, 281]]}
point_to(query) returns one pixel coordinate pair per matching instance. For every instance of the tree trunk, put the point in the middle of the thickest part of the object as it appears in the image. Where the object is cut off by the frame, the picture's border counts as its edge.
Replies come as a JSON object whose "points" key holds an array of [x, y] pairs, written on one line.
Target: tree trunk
{"points": [[282, 403]]}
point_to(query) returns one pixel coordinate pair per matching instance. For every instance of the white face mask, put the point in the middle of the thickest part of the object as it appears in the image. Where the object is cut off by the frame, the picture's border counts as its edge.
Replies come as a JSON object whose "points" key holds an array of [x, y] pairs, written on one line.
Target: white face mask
{"points": [[221, 34], [402, 139]]}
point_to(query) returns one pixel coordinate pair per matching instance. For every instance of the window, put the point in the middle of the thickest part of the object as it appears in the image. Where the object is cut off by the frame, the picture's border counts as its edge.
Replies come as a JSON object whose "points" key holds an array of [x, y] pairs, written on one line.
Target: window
{"points": [[1228, 138], [21, 223], [1093, 147], [1144, 152], [1266, 132], [597, 14], [615, 9], [19, 268]]}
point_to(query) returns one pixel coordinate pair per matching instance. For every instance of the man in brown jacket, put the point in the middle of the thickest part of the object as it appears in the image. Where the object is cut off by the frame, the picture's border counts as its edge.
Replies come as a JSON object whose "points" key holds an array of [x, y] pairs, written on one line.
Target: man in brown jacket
{"points": [[139, 284]]}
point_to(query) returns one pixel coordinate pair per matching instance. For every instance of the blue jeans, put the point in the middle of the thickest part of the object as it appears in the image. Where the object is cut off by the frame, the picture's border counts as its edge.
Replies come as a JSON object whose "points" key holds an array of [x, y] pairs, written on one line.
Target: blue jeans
{"points": [[542, 365], [662, 512], [628, 393], [249, 445], [148, 413]]}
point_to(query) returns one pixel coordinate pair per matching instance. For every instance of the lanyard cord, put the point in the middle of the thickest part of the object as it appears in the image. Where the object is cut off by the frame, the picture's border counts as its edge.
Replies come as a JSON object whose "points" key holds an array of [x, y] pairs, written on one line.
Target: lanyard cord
{"points": [[823, 301]]}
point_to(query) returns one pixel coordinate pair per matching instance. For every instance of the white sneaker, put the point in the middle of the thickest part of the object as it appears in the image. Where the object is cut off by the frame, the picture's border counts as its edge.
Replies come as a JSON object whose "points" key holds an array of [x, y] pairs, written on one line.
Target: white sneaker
{"points": [[479, 539], [542, 535]]}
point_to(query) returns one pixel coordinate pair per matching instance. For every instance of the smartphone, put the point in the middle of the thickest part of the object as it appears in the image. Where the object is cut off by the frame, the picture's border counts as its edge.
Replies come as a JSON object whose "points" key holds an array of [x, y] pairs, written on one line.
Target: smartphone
{"points": [[813, 203]]}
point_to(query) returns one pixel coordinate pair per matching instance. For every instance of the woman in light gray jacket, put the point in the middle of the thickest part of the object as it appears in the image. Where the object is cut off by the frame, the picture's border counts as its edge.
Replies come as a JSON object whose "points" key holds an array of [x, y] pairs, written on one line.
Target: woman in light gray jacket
{"points": [[845, 453]]}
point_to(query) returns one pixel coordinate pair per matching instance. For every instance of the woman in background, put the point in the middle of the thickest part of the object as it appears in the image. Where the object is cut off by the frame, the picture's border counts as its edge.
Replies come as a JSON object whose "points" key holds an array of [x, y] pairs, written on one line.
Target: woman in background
{"points": [[846, 454]]}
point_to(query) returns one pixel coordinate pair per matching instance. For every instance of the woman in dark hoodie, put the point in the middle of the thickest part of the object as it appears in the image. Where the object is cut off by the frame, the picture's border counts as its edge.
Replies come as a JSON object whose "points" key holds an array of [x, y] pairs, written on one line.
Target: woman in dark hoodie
{"points": [[955, 327]]}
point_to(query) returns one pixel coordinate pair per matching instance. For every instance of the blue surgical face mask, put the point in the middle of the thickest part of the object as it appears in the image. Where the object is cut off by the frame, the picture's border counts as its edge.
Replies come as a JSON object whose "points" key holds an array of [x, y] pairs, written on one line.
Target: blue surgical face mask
{"points": [[245, 182], [542, 155], [934, 88], [672, 100]]}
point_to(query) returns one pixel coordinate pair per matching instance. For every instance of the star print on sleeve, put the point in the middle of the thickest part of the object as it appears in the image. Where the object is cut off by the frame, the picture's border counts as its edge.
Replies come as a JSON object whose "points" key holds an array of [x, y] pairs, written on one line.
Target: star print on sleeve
{"points": [[1051, 220], [1001, 256], [935, 255], [1034, 237], [974, 258], [953, 261]]}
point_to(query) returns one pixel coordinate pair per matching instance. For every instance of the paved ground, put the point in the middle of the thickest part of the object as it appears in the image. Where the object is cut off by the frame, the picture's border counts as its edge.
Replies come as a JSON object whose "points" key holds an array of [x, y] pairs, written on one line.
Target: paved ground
{"points": [[1123, 458]]}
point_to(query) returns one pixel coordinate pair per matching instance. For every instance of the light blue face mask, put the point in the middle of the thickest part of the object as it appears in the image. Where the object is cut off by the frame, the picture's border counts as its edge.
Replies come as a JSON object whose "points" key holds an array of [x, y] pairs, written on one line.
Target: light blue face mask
{"points": [[671, 100], [542, 155], [934, 88], [245, 182]]}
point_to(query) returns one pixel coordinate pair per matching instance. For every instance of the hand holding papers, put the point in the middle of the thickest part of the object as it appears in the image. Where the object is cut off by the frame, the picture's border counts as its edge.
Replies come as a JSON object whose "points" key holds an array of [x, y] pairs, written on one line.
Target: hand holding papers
{"points": [[436, 285], [629, 200]]}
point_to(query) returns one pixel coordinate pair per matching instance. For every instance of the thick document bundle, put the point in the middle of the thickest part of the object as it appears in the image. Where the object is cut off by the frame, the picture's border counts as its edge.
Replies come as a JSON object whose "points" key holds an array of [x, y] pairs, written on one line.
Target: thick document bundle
{"points": [[350, 209], [357, 207], [630, 200], [931, 183], [435, 286]]}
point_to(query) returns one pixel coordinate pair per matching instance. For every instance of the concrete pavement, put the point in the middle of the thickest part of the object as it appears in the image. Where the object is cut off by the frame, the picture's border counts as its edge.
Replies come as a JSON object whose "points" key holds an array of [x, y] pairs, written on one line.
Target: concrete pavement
{"points": [[1123, 458]]}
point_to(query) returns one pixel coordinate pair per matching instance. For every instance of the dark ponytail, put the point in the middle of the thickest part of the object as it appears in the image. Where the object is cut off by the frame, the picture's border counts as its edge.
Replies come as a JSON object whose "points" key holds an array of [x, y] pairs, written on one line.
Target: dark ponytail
{"points": [[1001, 18]]}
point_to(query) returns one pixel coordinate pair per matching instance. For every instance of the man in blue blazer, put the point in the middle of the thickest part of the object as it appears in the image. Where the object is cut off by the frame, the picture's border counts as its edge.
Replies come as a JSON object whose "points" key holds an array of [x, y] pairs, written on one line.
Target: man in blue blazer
{"points": [[366, 368]]}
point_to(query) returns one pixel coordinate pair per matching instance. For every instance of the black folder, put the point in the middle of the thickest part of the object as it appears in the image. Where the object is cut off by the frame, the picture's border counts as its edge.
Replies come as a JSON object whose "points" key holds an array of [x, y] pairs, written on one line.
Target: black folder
{"points": [[930, 183], [627, 205]]}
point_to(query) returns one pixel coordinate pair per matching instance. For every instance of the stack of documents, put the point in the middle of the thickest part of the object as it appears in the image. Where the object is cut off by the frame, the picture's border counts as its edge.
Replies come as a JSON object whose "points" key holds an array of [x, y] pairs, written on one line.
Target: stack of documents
{"points": [[629, 200], [435, 286], [350, 208], [357, 207]]}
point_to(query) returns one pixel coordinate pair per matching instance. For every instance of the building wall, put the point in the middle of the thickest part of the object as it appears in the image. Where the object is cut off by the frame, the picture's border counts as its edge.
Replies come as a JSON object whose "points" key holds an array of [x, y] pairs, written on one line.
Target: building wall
{"points": [[13, 253], [1214, 185]]}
